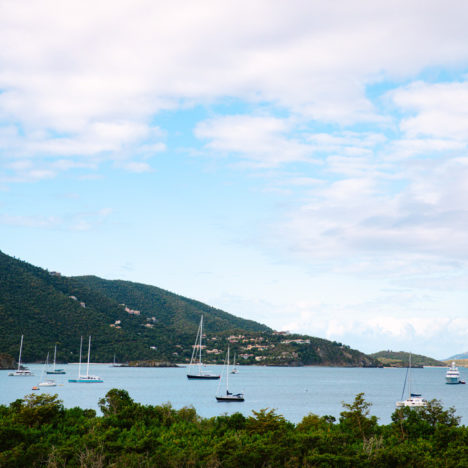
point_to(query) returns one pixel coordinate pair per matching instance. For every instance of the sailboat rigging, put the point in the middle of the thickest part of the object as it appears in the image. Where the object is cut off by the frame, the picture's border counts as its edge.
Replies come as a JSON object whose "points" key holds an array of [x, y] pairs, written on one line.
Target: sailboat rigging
{"points": [[234, 368], [21, 371], [202, 375], [229, 396], [55, 370], [86, 378], [414, 399], [46, 382]]}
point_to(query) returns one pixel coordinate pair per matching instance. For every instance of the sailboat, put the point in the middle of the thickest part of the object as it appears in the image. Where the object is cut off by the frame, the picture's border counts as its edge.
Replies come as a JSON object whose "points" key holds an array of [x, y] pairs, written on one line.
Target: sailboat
{"points": [[414, 400], [116, 364], [86, 378], [55, 370], [46, 382], [21, 372], [229, 396], [198, 346], [234, 368]]}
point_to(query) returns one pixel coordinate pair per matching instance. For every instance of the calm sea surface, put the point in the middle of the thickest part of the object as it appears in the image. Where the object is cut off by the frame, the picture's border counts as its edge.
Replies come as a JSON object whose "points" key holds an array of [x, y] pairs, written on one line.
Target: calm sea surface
{"points": [[293, 392]]}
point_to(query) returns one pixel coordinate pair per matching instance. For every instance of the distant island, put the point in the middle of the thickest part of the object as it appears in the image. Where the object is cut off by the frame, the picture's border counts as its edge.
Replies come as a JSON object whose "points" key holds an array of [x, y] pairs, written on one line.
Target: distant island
{"points": [[401, 359]]}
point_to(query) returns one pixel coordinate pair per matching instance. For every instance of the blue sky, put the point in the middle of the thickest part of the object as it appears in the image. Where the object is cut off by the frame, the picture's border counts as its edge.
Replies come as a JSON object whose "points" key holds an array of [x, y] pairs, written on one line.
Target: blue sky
{"points": [[303, 164]]}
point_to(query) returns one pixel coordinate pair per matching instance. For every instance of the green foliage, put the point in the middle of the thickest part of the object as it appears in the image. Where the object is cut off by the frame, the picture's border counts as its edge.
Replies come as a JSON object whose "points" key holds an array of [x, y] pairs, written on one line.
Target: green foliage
{"points": [[401, 359], [356, 419], [37, 431]]}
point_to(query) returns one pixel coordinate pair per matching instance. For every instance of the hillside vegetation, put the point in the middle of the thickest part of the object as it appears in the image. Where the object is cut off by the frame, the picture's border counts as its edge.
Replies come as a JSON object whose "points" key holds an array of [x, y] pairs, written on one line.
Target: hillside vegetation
{"points": [[401, 359], [138, 322]]}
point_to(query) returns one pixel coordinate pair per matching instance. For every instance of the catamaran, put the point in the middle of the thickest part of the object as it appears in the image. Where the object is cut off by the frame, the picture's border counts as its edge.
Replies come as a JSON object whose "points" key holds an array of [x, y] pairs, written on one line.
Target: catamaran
{"points": [[414, 400], [86, 378], [55, 370], [229, 396], [46, 382], [21, 371], [202, 375]]}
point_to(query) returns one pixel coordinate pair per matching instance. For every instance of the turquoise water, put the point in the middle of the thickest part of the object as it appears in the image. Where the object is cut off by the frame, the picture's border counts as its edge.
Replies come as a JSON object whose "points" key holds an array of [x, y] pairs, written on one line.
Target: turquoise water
{"points": [[293, 392]]}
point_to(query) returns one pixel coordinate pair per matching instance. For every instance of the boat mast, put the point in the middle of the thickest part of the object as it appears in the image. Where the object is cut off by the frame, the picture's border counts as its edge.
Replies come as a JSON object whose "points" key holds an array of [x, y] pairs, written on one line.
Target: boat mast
{"points": [[55, 355], [79, 365], [19, 359], [89, 351], [227, 372], [409, 376], [45, 367], [200, 358]]}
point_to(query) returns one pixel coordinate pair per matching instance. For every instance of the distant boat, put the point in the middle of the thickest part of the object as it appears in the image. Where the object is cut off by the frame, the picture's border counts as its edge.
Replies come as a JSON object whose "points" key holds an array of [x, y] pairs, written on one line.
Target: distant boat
{"points": [[86, 378], [21, 371], [453, 375], [46, 382], [202, 375], [414, 400], [116, 364], [55, 370], [229, 396], [234, 368]]}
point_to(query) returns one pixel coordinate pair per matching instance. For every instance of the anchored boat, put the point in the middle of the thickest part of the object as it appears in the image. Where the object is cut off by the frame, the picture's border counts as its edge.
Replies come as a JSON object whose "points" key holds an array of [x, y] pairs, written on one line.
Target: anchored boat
{"points": [[197, 353], [86, 378]]}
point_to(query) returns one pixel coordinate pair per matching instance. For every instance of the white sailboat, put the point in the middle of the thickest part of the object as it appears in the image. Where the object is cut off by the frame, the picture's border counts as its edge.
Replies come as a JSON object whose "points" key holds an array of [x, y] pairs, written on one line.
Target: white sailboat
{"points": [[86, 378], [201, 374], [55, 370], [21, 372], [234, 368], [229, 396], [414, 400], [46, 382]]}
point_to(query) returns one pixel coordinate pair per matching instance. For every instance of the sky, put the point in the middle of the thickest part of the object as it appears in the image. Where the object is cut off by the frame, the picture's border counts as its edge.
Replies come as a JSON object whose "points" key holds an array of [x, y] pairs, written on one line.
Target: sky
{"points": [[303, 163]]}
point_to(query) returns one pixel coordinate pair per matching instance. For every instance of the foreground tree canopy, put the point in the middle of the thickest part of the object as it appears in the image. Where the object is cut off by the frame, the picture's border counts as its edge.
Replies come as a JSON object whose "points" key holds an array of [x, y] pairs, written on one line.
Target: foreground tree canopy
{"points": [[38, 431]]}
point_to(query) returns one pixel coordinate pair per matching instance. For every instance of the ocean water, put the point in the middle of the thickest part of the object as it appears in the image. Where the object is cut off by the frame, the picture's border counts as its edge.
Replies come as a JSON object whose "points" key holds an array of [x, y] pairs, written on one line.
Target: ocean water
{"points": [[293, 392]]}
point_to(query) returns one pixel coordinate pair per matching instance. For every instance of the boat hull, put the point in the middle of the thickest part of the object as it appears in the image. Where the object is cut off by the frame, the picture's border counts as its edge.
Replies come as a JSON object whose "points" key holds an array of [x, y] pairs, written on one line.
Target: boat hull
{"points": [[452, 380], [230, 399], [85, 381], [202, 377], [56, 372], [412, 403]]}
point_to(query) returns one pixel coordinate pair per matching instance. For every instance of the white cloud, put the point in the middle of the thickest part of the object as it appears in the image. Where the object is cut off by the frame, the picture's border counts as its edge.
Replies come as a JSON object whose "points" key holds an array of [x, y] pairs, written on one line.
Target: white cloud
{"points": [[439, 110], [77, 71], [261, 140]]}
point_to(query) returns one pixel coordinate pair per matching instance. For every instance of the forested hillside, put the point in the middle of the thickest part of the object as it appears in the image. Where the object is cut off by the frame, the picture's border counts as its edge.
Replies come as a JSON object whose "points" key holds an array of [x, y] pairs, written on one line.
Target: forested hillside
{"points": [[401, 359], [138, 322]]}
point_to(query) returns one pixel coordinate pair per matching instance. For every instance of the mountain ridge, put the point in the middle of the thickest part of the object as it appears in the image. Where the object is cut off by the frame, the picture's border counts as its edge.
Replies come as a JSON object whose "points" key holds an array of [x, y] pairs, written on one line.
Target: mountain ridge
{"points": [[138, 322], [401, 359]]}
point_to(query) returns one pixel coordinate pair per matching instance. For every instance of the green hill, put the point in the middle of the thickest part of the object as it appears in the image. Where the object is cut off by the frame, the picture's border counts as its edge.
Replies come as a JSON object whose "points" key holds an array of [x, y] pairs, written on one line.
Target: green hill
{"points": [[401, 359], [138, 322]]}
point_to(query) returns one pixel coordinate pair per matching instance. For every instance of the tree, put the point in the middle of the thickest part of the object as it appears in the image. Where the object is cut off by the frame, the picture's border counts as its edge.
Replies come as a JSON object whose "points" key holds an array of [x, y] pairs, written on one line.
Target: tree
{"points": [[36, 410], [356, 419]]}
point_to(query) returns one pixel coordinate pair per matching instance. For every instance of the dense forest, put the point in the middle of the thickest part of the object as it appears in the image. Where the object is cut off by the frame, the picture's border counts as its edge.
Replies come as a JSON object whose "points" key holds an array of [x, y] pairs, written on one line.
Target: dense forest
{"points": [[38, 431], [138, 322]]}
